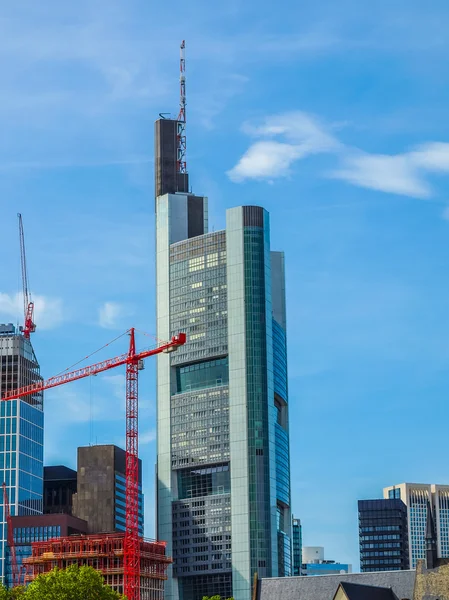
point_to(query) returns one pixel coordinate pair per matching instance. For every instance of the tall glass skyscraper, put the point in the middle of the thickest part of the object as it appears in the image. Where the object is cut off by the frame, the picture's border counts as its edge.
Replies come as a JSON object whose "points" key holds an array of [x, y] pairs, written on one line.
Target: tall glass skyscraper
{"points": [[223, 464], [21, 433]]}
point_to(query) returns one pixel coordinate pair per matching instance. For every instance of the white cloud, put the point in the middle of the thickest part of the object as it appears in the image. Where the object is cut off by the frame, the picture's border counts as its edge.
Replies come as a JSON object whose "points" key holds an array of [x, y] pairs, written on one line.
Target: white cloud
{"points": [[303, 135], [111, 313], [402, 174], [433, 156], [392, 174], [147, 437], [265, 160], [48, 311], [268, 159]]}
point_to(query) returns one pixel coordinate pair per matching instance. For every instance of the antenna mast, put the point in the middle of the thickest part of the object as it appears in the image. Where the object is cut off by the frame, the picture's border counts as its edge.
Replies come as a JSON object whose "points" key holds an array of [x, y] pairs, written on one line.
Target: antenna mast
{"points": [[181, 134]]}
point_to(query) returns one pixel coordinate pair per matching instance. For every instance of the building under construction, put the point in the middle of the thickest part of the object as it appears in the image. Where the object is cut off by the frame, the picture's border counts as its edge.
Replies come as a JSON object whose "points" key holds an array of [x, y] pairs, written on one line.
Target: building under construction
{"points": [[105, 553]]}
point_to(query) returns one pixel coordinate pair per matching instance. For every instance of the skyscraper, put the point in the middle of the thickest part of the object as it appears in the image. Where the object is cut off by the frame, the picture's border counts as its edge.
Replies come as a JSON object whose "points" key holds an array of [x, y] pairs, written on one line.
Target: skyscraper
{"points": [[418, 497], [21, 431], [383, 535], [223, 464]]}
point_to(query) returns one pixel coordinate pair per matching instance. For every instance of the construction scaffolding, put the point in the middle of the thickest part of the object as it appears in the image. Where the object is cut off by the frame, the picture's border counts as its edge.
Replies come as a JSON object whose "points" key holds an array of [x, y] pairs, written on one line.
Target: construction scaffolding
{"points": [[105, 553]]}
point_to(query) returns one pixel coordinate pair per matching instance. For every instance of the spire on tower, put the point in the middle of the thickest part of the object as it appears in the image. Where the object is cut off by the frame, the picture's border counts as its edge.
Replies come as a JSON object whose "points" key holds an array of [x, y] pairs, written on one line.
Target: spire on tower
{"points": [[181, 133]]}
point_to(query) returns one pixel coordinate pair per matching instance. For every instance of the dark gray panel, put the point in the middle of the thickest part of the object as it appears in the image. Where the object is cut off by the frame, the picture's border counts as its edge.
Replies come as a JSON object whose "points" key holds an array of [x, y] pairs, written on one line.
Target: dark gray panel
{"points": [[252, 216], [166, 178], [195, 209]]}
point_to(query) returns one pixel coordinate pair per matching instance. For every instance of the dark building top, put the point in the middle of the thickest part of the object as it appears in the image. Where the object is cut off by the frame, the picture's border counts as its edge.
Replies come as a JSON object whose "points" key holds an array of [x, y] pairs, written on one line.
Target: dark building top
{"points": [[358, 591], [383, 535], [167, 178], [101, 488], [59, 486]]}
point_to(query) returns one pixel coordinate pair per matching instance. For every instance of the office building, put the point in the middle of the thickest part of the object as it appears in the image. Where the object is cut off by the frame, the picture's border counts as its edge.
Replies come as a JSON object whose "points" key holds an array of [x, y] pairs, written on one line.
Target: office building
{"points": [[100, 499], [314, 563], [383, 535], [296, 547], [59, 487], [37, 528], [222, 398], [418, 497], [21, 431]]}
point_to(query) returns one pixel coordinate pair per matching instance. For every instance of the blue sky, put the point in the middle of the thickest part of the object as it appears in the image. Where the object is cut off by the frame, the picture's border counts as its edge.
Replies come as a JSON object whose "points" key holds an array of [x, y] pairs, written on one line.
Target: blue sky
{"points": [[331, 115]]}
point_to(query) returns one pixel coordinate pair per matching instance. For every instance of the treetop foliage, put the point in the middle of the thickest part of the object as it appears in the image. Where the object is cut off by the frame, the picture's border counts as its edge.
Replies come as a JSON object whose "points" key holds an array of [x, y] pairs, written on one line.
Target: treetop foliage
{"points": [[73, 583]]}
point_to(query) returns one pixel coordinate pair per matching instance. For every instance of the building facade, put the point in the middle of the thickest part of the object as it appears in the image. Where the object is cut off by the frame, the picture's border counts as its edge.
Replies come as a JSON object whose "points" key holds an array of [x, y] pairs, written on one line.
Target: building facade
{"points": [[383, 535], [223, 465], [100, 499], [417, 497], [296, 547], [21, 432]]}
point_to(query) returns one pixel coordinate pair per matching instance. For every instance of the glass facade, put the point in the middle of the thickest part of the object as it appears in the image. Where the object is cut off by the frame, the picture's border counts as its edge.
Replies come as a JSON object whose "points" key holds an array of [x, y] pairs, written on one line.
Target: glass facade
{"points": [[21, 434], [197, 376], [120, 504], [383, 535], [223, 446], [297, 546]]}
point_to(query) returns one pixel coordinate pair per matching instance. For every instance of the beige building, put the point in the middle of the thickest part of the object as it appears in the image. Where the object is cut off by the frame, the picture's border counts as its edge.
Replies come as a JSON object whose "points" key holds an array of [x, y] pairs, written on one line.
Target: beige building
{"points": [[417, 497]]}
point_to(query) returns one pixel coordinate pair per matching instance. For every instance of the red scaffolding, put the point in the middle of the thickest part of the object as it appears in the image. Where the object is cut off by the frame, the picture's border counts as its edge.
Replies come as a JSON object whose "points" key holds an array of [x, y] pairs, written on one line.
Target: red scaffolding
{"points": [[105, 553]]}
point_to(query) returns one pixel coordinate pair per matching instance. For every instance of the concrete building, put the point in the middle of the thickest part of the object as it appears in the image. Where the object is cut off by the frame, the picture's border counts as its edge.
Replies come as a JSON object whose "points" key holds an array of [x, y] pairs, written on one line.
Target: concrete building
{"points": [[314, 563], [383, 535], [59, 488], [417, 497], [296, 547], [100, 498], [21, 431], [223, 465]]}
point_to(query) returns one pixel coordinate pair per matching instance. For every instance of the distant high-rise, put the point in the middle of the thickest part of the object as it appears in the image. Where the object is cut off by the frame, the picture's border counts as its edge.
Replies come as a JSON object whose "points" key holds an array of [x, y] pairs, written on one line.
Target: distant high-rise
{"points": [[296, 547], [100, 499], [418, 497], [383, 535], [223, 464], [314, 563], [21, 431]]}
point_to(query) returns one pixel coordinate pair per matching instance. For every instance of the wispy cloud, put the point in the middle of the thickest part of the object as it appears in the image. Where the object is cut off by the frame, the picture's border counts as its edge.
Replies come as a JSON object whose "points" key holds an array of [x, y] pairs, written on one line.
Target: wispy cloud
{"points": [[446, 213], [393, 174], [48, 311], [110, 314], [403, 174], [304, 135]]}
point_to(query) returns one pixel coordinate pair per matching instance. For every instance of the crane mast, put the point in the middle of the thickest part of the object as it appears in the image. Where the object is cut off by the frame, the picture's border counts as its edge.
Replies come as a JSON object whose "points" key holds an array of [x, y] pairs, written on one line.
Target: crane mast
{"points": [[28, 305], [133, 362], [10, 538]]}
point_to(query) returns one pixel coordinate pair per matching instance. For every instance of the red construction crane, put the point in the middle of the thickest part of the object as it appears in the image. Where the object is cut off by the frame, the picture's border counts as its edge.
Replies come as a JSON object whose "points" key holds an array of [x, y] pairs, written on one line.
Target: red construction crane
{"points": [[28, 305], [10, 538], [133, 362]]}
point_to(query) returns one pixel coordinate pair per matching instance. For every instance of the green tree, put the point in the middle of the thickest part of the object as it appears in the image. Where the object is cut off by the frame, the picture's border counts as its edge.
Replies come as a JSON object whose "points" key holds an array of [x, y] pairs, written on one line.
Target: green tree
{"points": [[14, 594], [215, 598], [73, 583]]}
